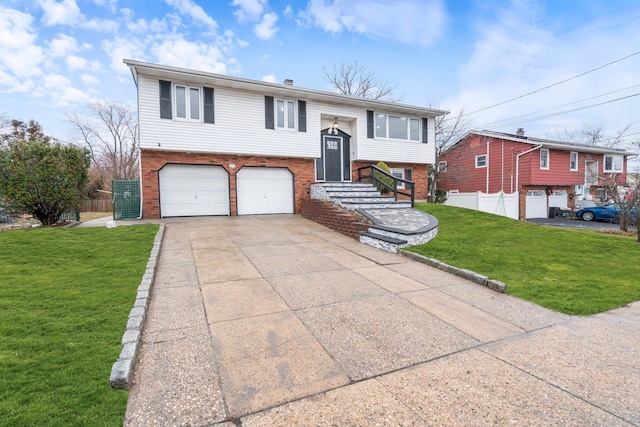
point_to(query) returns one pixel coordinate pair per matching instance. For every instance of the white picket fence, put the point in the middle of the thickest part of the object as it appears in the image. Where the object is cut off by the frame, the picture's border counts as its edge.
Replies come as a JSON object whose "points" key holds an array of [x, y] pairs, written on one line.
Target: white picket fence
{"points": [[497, 203]]}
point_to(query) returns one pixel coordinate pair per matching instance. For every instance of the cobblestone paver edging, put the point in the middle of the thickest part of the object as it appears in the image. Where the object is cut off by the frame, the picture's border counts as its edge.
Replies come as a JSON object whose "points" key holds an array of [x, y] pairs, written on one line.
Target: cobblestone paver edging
{"points": [[123, 367], [467, 274]]}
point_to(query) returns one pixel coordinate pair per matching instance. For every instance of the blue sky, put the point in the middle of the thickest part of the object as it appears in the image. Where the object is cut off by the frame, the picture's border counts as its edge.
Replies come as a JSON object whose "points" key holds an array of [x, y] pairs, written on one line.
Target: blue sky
{"points": [[56, 56]]}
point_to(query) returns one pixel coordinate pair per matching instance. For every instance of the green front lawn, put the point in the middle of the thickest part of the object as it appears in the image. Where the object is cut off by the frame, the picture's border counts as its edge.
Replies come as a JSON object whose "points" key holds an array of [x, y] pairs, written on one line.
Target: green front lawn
{"points": [[65, 295], [574, 271]]}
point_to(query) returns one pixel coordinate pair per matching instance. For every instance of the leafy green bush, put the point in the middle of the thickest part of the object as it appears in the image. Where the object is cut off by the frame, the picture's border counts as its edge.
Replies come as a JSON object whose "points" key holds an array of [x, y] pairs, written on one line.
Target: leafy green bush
{"points": [[441, 196], [381, 177]]}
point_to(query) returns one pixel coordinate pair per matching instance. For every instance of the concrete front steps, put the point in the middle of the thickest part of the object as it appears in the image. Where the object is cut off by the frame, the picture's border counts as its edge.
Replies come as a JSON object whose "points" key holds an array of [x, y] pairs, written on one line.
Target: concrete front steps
{"points": [[392, 224]]}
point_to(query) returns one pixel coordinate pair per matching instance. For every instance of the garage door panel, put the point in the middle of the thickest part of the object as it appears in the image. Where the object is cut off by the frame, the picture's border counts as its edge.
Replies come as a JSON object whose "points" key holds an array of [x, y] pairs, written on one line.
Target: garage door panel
{"points": [[193, 190], [536, 204], [264, 191]]}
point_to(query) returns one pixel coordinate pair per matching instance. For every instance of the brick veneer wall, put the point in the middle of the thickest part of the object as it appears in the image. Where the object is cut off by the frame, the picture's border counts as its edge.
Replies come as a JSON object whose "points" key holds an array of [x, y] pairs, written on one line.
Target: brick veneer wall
{"points": [[419, 174], [341, 220], [153, 160]]}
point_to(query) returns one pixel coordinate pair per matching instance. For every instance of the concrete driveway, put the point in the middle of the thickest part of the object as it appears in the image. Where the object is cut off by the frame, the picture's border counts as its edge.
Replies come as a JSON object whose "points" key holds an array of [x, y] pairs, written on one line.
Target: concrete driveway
{"points": [[275, 320]]}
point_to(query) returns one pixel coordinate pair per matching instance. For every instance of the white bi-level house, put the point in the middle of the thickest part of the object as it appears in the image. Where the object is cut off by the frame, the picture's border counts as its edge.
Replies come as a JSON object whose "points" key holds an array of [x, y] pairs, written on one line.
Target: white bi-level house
{"points": [[218, 145]]}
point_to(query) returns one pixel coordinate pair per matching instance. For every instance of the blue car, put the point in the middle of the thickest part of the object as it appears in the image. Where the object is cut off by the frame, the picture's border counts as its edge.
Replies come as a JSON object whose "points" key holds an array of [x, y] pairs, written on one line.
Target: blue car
{"points": [[606, 212]]}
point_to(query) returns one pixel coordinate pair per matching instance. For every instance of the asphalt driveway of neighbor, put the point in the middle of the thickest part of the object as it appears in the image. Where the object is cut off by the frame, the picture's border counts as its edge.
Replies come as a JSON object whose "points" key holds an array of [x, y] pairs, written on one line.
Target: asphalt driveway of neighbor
{"points": [[276, 320]]}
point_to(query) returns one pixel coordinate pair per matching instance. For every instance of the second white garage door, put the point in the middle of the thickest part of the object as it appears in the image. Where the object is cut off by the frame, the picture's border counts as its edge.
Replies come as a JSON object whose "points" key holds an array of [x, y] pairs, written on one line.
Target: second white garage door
{"points": [[264, 190], [192, 190], [536, 204]]}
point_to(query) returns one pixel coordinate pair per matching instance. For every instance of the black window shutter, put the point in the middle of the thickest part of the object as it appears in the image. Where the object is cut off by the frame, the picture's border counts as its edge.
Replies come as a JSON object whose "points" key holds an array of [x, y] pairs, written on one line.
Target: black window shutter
{"points": [[165, 99], [269, 122], [369, 124], [407, 174], [425, 131], [302, 116], [209, 112]]}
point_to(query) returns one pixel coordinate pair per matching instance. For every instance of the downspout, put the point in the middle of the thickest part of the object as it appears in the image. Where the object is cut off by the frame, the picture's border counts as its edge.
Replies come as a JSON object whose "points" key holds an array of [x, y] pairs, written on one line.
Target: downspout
{"points": [[537, 147], [486, 189]]}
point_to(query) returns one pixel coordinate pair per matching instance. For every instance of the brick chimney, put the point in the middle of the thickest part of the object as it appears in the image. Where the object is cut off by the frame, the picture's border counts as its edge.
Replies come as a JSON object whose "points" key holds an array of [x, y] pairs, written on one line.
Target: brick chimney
{"points": [[520, 132]]}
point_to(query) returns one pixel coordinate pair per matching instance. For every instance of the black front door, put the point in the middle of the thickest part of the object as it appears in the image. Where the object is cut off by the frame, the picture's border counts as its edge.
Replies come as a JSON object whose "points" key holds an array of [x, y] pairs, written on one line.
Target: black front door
{"points": [[332, 158]]}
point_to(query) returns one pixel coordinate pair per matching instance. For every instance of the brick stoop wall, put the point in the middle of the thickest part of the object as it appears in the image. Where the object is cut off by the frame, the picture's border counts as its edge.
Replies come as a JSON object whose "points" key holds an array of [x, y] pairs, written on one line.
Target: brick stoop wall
{"points": [[347, 222]]}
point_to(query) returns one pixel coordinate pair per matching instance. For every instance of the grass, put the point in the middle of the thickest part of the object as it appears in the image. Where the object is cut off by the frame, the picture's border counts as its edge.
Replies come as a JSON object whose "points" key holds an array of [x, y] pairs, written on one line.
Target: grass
{"points": [[574, 271], [65, 295]]}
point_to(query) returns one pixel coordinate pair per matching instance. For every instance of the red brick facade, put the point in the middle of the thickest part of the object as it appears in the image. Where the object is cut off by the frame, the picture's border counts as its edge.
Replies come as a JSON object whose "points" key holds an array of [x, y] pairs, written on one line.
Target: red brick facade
{"points": [[332, 216], [152, 161]]}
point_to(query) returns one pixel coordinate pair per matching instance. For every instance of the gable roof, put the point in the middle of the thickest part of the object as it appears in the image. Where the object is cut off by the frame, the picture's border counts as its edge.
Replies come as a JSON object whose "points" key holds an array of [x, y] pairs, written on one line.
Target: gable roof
{"points": [[548, 143], [275, 89]]}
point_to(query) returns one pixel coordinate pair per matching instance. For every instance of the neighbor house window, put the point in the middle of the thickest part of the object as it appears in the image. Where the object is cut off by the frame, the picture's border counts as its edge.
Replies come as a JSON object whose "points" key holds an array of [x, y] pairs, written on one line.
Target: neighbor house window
{"points": [[442, 166], [544, 158], [613, 163], [397, 127], [285, 114], [573, 161], [187, 102], [481, 161]]}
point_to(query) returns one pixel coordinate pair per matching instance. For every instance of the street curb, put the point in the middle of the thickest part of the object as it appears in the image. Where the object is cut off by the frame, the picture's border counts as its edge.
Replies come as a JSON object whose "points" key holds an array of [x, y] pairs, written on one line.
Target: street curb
{"points": [[466, 274], [122, 369]]}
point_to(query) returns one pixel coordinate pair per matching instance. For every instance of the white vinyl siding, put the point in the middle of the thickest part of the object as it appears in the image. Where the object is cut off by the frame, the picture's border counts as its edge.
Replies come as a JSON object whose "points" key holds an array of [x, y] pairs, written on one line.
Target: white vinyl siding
{"points": [[239, 127]]}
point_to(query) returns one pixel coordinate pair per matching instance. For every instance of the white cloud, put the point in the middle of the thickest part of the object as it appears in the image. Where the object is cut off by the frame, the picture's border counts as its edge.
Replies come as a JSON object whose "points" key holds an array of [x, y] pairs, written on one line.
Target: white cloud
{"points": [[269, 78], [124, 48], [65, 12], [62, 92], [406, 21], [249, 10], [62, 45], [195, 12], [178, 52], [266, 29], [288, 12], [75, 63], [19, 53], [89, 80]]}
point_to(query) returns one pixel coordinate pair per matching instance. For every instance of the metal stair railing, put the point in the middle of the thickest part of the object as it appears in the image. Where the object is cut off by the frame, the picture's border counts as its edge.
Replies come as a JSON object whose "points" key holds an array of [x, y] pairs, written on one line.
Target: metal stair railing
{"points": [[377, 177]]}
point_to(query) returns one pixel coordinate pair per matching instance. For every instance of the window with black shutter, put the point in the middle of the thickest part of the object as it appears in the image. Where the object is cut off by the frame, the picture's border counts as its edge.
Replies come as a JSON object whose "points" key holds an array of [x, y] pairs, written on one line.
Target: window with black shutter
{"points": [[269, 122], [165, 99], [209, 113], [302, 116]]}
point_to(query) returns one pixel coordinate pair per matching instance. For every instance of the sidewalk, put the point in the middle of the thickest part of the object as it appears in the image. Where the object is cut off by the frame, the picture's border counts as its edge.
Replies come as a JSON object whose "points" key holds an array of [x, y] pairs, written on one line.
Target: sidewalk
{"points": [[275, 320]]}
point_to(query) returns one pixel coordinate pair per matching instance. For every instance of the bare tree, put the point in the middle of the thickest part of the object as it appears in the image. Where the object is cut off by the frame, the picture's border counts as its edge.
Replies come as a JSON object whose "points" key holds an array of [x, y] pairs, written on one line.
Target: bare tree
{"points": [[110, 132], [449, 129], [356, 80], [594, 134]]}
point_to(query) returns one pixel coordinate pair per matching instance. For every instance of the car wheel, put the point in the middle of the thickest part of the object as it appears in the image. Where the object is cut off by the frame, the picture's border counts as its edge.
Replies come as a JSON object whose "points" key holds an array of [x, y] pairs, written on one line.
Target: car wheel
{"points": [[588, 216]]}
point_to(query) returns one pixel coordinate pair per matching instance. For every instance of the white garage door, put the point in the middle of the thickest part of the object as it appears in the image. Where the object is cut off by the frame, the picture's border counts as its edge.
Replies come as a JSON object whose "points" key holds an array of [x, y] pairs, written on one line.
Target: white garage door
{"points": [[264, 190], [536, 204], [558, 199], [193, 190]]}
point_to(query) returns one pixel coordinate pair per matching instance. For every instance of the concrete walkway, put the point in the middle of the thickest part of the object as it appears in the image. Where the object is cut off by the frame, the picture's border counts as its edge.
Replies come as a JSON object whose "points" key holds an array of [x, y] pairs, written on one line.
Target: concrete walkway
{"points": [[275, 320]]}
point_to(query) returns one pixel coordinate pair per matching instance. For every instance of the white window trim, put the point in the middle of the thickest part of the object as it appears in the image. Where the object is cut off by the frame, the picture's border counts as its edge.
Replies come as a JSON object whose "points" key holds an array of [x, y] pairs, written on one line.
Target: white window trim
{"points": [[401, 173], [286, 127], [386, 136], [571, 154], [485, 161], [442, 166], [613, 157], [187, 89], [546, 167]]}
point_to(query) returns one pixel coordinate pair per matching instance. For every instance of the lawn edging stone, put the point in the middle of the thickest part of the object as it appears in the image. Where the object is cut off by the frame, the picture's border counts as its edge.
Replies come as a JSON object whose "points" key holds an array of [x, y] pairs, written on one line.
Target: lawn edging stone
{"points": [[122, 369], [480, 279]]}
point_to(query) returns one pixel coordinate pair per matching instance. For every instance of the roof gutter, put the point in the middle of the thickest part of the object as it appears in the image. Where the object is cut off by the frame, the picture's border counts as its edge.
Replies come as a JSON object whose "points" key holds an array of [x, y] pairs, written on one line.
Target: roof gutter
{"points": [[537, 147]]}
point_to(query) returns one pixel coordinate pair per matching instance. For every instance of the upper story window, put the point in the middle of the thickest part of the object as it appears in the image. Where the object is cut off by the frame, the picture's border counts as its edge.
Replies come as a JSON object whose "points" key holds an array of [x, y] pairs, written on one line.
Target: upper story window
{"points": [[573, 161], [397, 127], [613, 163], [544, 158], [184, 102], [285, 114], [481, 161], [187, 102], [442, 166]]}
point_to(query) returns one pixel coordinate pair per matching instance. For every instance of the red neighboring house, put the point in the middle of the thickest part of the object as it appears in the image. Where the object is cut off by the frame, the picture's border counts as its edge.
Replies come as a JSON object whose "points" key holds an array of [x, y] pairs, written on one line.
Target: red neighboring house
{"points": [[547, 173]]}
